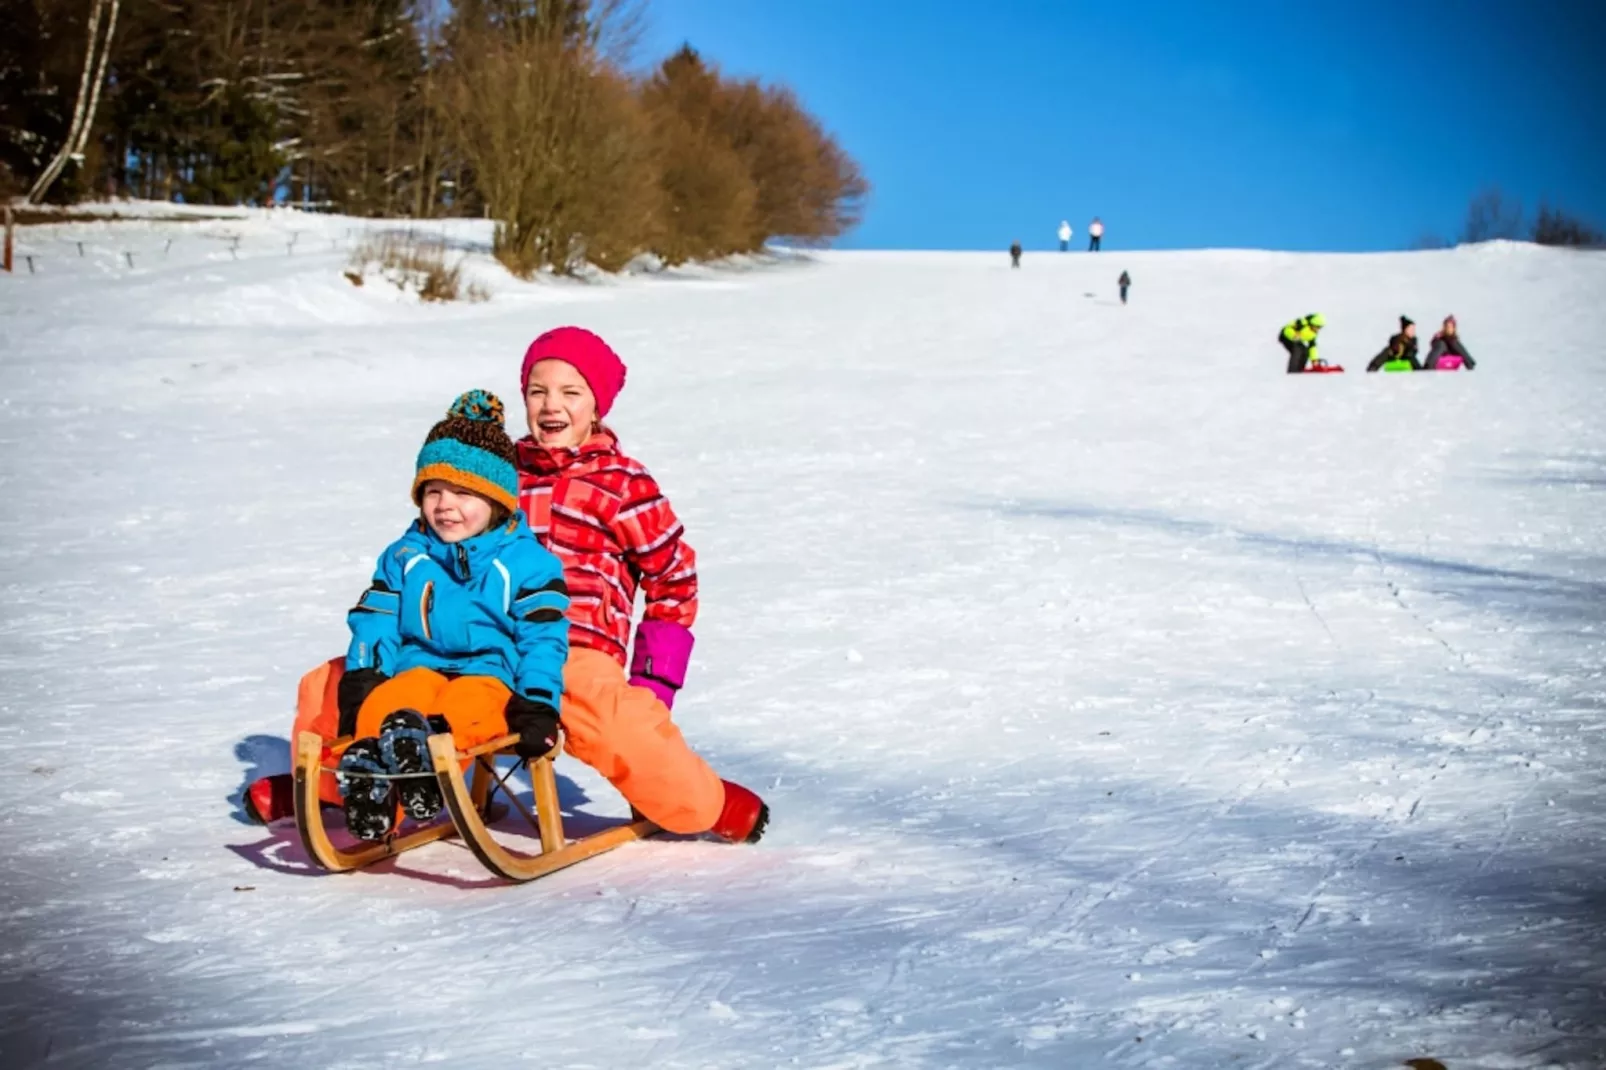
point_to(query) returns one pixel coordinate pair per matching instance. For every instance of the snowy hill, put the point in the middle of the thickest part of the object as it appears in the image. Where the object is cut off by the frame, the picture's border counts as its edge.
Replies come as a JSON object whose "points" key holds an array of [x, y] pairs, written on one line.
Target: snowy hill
{"points": [[1121, 700]]}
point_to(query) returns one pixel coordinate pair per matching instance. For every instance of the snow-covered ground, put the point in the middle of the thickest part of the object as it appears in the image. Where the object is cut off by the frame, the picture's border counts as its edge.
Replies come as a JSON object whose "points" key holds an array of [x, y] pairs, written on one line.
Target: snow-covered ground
{"points": [[1121, 700]]}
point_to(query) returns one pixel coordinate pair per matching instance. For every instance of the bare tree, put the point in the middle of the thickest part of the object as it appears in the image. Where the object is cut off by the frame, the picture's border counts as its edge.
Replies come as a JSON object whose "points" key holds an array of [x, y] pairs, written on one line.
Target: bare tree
{"points": [[1553, 226], [556, 141], [809, 189], [83, 119], [708, 196], [1490, 217]]}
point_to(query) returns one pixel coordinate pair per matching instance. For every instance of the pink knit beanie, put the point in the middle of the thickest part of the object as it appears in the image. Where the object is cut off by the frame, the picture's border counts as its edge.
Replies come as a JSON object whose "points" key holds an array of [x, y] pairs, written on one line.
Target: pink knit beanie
{"points": [[597, 364]]}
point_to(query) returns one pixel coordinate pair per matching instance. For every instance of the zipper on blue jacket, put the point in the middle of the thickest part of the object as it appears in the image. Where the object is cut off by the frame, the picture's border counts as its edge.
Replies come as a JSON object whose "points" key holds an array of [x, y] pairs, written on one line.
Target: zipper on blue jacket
{"points": [[462, 560]]}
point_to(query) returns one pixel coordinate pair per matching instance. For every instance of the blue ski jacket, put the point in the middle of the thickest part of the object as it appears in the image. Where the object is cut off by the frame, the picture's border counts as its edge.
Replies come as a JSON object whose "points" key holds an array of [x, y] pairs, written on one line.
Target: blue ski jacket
{"points": [[491, 605]]}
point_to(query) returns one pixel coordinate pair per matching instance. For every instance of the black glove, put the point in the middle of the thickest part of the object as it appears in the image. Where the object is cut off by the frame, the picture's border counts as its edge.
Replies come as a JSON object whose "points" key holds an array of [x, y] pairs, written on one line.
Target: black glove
{"points": [[355, 687], [536, 724]]}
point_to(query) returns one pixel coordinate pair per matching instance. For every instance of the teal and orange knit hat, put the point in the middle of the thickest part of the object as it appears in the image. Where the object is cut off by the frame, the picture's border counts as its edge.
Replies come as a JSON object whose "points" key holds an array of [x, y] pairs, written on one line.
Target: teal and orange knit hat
{"points": [[471, 449]]}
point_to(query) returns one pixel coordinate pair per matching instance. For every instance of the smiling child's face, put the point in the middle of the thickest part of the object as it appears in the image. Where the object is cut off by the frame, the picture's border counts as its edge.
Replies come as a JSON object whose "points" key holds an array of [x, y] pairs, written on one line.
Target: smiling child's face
{"points": [[452, 512], [559, 405]]}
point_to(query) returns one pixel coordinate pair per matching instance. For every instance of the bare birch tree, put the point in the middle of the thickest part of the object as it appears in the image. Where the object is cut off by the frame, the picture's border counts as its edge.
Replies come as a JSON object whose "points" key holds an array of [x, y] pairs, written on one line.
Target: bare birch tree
{"points": [[83, 119]]}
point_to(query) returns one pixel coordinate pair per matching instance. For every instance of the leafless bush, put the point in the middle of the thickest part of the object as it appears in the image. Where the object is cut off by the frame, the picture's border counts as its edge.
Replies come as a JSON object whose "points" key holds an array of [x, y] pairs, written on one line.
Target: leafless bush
{"points": [[740, 163], [412, 264], [1491, 217], [557, 144], [708, 198], [1554, 226], [809, 190]]}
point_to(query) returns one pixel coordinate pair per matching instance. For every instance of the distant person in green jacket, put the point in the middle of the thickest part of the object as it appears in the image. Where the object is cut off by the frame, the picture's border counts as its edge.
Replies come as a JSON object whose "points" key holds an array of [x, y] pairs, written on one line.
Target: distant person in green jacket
{"points": [[1401, 346], [1299, 339]]}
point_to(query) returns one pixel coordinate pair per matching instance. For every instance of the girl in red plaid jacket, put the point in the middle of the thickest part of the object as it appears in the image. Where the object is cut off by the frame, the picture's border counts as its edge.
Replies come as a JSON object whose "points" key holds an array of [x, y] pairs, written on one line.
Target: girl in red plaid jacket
{"points": [[604, 517]]}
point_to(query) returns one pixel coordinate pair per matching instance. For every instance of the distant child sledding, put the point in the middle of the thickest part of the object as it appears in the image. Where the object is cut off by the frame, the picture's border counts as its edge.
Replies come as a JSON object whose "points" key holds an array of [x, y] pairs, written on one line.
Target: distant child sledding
{"points": [[1447, 353], [1400, 353]]}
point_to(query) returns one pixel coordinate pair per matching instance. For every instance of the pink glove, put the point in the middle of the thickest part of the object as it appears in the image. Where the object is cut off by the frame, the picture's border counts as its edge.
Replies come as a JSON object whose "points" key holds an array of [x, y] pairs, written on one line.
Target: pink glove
{"points": [[663, 650]]}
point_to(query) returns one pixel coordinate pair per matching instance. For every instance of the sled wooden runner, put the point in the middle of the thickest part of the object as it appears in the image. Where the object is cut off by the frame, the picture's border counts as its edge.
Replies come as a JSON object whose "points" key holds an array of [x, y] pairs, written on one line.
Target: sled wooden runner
{"points": [[464, 814], [309, 816], [556, 851]]}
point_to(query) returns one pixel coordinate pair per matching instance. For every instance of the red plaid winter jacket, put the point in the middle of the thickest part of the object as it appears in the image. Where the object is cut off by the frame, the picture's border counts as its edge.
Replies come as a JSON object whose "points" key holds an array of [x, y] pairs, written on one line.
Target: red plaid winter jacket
{"points": [[604, 517]]}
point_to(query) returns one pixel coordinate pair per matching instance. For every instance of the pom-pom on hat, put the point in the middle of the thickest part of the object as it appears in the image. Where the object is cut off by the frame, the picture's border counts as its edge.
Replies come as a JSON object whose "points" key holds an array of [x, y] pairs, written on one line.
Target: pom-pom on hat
{"points": [[596, 362], [1406, 321], [471, 449]]}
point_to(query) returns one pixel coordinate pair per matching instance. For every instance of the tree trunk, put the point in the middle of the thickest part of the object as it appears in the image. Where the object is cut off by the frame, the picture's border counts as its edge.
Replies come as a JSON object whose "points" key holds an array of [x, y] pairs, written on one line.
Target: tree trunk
{"points": [[423, 198], [48, 176], [100, 79], [390, 165]]}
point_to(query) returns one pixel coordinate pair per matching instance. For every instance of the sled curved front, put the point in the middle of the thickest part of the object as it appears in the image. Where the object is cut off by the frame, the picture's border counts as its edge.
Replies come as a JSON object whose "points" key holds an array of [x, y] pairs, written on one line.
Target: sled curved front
{"points": [[315, 837], [556, 851]]}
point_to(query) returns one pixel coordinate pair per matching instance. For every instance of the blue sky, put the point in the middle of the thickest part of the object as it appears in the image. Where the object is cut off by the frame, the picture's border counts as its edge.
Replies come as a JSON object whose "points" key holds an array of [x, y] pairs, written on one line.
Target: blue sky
{"points": [[1290, 124]]}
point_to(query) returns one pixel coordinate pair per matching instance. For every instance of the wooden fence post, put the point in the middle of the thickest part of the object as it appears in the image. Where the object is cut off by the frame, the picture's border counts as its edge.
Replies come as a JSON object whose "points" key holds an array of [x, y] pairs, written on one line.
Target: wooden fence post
{"points": [[11, 224]]}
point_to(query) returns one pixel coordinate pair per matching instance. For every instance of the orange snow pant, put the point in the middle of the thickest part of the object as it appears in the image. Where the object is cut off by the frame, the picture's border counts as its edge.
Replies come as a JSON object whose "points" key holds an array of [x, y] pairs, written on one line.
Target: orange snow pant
{"points": [[625, 734], [472, 705], [622, 732]]}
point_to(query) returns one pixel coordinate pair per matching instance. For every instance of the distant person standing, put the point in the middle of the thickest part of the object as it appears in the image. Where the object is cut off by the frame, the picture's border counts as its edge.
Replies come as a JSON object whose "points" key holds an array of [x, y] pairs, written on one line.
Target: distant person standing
{"points": [[1124, 282], [1065, 235], [1095, 235], [1014, 255]]}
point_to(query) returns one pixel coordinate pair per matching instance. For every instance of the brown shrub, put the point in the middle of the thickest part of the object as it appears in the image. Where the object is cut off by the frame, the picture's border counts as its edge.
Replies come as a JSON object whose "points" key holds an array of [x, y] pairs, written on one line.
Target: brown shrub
{"points": [[558, 147], [707, 198], [411, 263], [1553, 226], [809, 190], [740, 164]]}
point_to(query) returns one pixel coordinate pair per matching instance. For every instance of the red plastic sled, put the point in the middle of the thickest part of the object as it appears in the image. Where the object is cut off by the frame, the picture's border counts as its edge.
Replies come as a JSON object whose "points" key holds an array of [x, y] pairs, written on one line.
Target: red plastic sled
{"points": [[1323, 369]]}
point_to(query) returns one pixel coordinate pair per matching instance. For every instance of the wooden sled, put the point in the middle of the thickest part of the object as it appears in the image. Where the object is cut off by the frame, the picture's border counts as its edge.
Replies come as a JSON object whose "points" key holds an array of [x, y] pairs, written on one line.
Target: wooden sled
{"points": [[464, 814]]}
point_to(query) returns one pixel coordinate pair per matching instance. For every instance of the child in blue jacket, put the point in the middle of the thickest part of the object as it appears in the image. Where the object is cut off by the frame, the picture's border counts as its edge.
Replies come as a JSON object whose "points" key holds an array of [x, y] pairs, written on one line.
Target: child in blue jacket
{"points": [[462, 629]]}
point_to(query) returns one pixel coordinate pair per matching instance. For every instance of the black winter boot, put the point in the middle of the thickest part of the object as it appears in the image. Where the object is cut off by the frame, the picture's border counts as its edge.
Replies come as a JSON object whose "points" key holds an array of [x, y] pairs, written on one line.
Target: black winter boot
{"points": [[404, 743], [370, 800]]}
